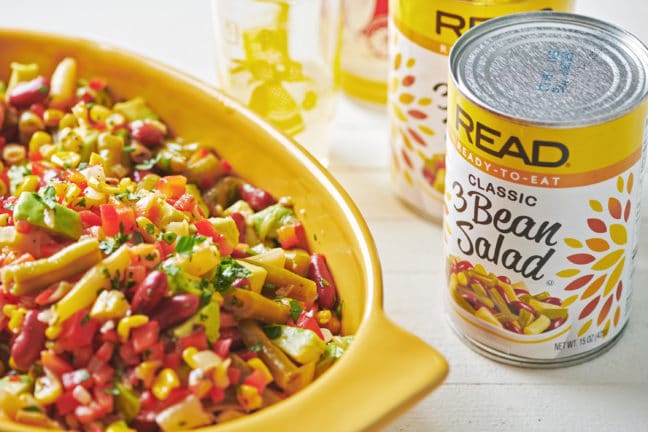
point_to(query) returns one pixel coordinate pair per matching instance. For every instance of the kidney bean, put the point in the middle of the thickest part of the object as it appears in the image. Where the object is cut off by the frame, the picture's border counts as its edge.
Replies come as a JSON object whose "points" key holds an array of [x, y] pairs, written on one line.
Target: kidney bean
{"points": [[326, 289], [555, 323], [150, 292], [518, 305], [553, 300], [461, 266], [239, 219], [174, 310], [512, 327], [146, 133], [256, 197], [29, 342], [27, 93]]}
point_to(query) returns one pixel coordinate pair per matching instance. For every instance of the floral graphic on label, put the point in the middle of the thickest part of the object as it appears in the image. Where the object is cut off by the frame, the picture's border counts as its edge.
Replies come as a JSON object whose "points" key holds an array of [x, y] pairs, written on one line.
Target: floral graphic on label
{"points": [[601, 260]]}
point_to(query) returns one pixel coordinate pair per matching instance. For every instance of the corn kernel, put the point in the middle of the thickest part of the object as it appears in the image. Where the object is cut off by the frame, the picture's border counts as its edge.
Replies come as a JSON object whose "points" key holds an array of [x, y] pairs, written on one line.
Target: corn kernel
{"points": [[16, 320], [52, 117], [110, 305], [70, 140], [146, 371], [126, 324], [249, 397], [99, 113], [68, 121], [66, 159], [4, 218], [13, 154], [221, 379], [187, 356], [29, 184], [38, 139], [119, 426], [165, 381], [257, 364], [323, 316]]}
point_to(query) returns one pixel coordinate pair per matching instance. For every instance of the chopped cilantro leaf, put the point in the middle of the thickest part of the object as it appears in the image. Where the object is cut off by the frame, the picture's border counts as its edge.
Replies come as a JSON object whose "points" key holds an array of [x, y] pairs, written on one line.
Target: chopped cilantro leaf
{"points": [[256, 347], [227, 271], [273, 332], [185, 244], [295, 309]]}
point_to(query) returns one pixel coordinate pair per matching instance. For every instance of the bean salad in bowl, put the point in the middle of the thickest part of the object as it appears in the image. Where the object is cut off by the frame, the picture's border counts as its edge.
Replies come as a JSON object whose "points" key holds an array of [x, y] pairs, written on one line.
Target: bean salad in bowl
{"points": [[143, 284]]}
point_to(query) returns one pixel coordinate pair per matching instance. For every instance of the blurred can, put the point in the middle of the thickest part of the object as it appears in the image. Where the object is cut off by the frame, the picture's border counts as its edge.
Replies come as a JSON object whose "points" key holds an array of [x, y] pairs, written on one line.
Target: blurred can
{"points": [[546, 150], [365, 51], [421, 35]]}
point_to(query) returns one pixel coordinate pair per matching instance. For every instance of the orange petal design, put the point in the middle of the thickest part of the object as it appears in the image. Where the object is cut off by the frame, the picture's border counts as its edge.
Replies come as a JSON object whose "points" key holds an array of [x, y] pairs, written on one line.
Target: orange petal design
{"points": [[606, 329], [614, 277], [618, 234], [408, 80], [417, 137], [604, 311], [614, 207], [581, 259], [584, 328], [597, 244], [608, 260], [589, 308], [630, 183], [406, 141], [410, 62], [426, 130], [573, 243], [579, 283], [597, 225], [417, 114], [568, 273], [617, 314], [620, 184], [626, 210], [406, 98], [425, 101], [594, 287], [399, 114], [407, 159], [596, 205]]}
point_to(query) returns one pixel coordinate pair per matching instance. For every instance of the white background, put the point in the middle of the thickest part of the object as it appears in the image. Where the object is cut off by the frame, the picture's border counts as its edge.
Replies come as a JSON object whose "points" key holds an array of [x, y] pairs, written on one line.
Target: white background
{"points": [[609, 393]]}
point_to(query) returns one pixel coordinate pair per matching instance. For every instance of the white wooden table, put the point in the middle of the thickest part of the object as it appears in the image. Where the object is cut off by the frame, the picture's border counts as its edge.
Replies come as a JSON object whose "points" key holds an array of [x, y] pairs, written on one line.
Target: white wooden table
{"points": [[609, 393]]}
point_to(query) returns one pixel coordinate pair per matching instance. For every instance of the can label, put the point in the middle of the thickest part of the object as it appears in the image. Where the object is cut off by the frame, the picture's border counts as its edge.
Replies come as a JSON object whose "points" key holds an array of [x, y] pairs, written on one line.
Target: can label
{"points": [[364, 50], [541, 229], [422, 33]]}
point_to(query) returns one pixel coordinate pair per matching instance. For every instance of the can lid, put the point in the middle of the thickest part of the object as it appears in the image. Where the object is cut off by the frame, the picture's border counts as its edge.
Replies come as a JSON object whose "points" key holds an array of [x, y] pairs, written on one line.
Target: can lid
{"points": [[551, 69]]}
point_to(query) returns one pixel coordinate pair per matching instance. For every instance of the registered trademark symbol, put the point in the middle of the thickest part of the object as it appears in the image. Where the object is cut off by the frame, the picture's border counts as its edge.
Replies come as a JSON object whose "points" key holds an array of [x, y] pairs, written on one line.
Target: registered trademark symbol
{"points": [[550, 283]]}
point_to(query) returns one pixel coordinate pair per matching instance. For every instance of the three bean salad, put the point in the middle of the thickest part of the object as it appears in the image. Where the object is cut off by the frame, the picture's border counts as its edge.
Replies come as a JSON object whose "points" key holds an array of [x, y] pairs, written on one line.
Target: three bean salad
{"points": [[144, 286]]}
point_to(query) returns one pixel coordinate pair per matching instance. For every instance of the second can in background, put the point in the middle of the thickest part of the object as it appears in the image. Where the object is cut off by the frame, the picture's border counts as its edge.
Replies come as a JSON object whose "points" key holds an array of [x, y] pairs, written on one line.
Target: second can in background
{"points": [[421, 34]]}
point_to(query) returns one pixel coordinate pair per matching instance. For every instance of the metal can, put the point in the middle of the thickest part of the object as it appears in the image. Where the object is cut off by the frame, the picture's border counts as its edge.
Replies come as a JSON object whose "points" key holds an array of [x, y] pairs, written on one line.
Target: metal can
{"points": [[421, 35], [364, 51], [547, 135]]}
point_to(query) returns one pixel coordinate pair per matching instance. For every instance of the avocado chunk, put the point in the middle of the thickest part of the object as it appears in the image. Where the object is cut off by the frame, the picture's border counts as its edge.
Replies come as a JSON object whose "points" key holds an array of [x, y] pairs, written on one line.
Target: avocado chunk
{"points": [[208, 316], [50, 216], [302, 345], [135, 109], [267, 221]]}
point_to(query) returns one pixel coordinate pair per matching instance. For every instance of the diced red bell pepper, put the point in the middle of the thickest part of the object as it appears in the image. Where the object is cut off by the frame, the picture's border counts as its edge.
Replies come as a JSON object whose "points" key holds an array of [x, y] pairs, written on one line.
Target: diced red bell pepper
{"points": [[257, 379], [222, 347], [77, 377], [66, 403], [89, 218], [88, 413], [104, 398], [145, 336], [172, 360], [186, 202], [22, 226], [155, 352], [292, 235], [257, 198], [197, 340], [205, 228], [77, 331], [128, 354], [109, 219], [306, 320], [234, 374], [216, 394], [239, 219], [54, 363]]}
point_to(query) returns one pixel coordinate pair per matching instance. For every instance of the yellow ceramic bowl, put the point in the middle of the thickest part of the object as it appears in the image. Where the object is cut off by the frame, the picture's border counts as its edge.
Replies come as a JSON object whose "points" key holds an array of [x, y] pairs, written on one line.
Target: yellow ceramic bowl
{"points": [[387, 369]]}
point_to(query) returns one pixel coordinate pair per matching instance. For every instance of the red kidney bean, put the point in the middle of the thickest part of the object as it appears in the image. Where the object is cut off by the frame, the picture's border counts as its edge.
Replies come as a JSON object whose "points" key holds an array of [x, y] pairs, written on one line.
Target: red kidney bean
{"points": [[150, 292], [326, 289], [461, 266], [174, 310], [518, 305], [553, 300], [29, 342], [512, 327], [146, 133], [256, 197], [239, 219], [27, 93], [555, 323]]}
